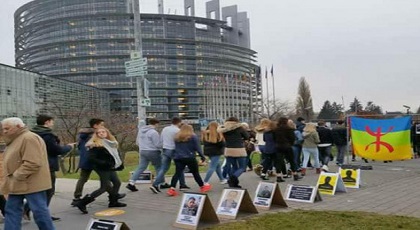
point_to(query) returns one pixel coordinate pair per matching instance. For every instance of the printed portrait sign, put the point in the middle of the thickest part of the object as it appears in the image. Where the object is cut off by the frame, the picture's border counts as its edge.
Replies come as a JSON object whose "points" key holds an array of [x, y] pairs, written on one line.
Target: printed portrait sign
{"points": [[230, 201], [234, 201], [99, 224], [190, 210], [351, 177], [302, 193], [268, 194], [329, 183], [195, 208], [144, 178]]}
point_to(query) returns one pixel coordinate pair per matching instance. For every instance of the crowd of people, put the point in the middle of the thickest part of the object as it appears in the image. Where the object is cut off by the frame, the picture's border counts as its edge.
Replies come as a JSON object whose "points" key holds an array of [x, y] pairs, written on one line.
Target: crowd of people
{"points": [[287, 150]]}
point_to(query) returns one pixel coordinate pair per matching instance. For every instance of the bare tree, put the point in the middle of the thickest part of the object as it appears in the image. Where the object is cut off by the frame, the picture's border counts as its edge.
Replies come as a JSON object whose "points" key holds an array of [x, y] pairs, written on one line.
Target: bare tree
{"points": [[277, 109], [304, 106]]}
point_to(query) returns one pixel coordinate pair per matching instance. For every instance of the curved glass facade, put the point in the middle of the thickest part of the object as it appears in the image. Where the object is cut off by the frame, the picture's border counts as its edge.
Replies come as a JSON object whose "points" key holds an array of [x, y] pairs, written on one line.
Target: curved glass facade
{"points": [[88, 42]]}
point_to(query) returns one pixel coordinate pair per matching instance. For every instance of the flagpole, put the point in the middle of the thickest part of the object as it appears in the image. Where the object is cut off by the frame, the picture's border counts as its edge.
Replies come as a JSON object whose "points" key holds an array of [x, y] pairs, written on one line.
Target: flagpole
{"points": [[274, 91], [268, 97]]}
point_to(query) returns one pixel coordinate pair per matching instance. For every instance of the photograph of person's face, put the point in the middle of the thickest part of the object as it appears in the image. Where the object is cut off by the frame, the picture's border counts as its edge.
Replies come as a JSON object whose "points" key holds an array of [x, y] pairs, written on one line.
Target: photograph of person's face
{"points": [[232, 195], [191, 203], [327, 179]]}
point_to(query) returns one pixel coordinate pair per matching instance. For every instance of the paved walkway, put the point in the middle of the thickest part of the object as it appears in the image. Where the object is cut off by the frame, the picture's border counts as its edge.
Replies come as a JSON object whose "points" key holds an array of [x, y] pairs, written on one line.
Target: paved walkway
{"points": [[390, 188]]}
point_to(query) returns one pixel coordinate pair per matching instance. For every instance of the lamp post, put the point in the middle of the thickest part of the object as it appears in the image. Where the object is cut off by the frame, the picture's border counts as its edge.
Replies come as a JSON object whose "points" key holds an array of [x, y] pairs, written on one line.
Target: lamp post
{"points": [[408, 108]]}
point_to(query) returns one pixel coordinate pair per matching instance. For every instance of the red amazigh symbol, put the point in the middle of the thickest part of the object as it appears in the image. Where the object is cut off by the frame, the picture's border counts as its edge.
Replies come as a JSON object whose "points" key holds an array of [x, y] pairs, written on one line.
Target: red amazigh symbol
{"points": [[378, 141]]}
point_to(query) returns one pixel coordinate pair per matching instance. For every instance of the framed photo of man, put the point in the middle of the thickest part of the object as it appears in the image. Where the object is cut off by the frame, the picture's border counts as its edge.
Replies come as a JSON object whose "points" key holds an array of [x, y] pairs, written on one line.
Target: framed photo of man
{"points": [[264, 194], [190, 210], [230, 202]]}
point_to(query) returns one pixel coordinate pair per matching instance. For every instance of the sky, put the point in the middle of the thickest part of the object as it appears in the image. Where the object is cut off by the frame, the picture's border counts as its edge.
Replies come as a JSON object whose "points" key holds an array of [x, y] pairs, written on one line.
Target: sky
{"points": [[344, 49]]}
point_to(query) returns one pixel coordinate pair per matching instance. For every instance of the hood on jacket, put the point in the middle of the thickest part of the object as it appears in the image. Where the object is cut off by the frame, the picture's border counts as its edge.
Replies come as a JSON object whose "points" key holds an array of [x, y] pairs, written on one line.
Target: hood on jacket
{"points": [[146, 129], [40, 129], [228, 126]]}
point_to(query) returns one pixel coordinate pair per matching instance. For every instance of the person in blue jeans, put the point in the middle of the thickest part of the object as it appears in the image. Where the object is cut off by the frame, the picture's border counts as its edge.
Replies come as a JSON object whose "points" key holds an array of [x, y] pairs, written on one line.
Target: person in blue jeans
{"points": [[26, 175], [150, 146], [214, 145], [235, 152], [168, 142]]}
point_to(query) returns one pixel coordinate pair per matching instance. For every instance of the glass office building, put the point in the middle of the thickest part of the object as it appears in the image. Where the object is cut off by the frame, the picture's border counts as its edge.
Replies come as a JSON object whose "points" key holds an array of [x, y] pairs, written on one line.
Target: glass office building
{"points": [[27, 94], [198, 67]]}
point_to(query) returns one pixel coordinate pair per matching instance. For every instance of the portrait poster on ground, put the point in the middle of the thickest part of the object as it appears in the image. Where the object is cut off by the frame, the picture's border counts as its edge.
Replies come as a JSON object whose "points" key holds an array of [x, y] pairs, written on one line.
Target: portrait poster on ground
{"points": [[351, 177], [195, 208], [100, 224], [268, 194], [233, 202], [329, 183], [144, 178], [302, 193]]}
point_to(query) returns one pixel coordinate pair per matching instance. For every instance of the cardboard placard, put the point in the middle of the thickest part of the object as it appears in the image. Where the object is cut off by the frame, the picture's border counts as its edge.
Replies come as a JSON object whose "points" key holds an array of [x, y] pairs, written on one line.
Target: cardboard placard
{"points": [[351, 177], [303, 193], [329, 183], [100, 224], [267, 195], [234, 201], [144, 178], [195, 208]]}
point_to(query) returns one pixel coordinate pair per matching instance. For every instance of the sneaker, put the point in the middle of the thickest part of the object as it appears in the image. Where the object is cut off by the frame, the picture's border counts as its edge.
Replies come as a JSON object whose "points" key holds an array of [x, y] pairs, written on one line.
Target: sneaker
{"points": [[74, 202], [155, 189], [205, 188], [132, 188], [164, 186], [172, 192], [224, 181], [264, 176], [183, 187], [325, 168], [53, 218]]}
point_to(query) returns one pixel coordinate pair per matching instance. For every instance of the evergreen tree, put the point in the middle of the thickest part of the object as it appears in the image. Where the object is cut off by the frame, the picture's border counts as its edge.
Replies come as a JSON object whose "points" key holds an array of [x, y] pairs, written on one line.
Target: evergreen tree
{"points": [[355, 106], [327, 111], [371, 107], [304, 107]]}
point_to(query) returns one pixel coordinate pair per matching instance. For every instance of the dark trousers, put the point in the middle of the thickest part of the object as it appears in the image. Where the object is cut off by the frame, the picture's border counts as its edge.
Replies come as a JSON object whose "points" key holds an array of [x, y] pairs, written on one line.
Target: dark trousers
{"points": [[50, 192], [248, 159], [109, 183], [286, 152], [179, 169], [268, 162], [278, 162], [83, 178], [2, 204]]}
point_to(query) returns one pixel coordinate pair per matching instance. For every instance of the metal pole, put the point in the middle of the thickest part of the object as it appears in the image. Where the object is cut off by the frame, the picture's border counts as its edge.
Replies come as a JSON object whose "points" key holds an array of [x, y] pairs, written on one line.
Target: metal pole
{"points": [[268, 97]]}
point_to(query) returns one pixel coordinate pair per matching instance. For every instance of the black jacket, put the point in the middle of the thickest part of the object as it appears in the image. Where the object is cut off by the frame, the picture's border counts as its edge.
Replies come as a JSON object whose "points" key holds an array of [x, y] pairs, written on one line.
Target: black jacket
{"points": [[54, 149], [102, 160], [284, 137], [325, 135], [213, 149], [234, 134], [339, 135]]}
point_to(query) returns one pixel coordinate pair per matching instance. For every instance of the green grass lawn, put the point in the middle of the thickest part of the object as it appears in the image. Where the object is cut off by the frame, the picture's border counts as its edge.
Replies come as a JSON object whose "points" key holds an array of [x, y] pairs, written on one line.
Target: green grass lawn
{"points": [[130, 162], [323, 220]]}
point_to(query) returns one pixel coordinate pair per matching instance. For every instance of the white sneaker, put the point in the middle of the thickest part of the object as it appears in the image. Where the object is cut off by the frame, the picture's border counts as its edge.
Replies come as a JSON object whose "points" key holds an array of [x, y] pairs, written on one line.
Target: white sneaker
{"points": [[325, 168], [224, 181]]}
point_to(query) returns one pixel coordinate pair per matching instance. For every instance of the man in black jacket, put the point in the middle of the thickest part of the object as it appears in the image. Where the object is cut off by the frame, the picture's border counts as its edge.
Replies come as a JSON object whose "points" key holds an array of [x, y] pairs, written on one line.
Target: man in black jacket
{"points": [[339, 133], [326, 141], [54, 150]]}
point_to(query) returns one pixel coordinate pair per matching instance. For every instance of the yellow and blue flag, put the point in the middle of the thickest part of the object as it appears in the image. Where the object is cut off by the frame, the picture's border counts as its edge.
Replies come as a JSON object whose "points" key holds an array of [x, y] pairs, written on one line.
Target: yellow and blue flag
{"points": [[381, 139]]}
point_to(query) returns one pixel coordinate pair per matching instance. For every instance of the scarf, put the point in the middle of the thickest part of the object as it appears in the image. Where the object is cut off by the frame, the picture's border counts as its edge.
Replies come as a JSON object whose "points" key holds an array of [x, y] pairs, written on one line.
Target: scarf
{"points": [[111, 146]]}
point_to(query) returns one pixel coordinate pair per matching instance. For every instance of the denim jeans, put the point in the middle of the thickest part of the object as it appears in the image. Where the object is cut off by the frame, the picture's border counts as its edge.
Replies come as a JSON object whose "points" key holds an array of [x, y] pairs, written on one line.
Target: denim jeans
{"points": [[306, 154], [341, 150], [37, 203], [165, 165], [324, 154], [237, 164], [296, 155], [147, 156], [226, 169], [214, 166]]}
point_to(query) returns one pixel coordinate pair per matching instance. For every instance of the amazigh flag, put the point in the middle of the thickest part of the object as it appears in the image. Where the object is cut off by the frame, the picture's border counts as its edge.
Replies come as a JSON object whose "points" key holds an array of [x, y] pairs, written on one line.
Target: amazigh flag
{"points": [[381, 139]]}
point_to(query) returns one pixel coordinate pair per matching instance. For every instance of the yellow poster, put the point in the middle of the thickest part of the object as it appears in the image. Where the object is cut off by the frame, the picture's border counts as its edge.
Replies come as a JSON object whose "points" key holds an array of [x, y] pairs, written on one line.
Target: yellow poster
{"points": [[351, 177], [326, 183]]}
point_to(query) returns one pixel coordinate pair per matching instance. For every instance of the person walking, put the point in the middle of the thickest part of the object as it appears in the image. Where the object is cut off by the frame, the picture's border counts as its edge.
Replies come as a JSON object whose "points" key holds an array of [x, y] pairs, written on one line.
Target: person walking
{"points": [[259, 138], [214, 145], [235, 153], [325, 144], [85, 167], [270, 153], [150, 145], [285, 137], [309, 147], [168, 142], [249, 145], [54, 151], [339, 134], [186, 146], [105, 159], [25, 167]]}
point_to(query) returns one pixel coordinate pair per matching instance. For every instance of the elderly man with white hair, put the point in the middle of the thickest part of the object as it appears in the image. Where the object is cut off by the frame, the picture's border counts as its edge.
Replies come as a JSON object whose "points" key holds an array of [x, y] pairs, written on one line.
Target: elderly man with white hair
{"points": [[25, 167]]}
